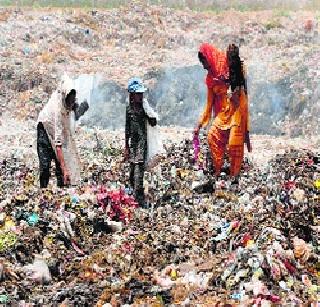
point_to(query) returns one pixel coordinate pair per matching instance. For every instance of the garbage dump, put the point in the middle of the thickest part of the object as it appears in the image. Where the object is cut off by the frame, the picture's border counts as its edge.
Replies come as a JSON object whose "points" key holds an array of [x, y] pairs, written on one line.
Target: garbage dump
{"points": [[200, 240], [255, 243]]}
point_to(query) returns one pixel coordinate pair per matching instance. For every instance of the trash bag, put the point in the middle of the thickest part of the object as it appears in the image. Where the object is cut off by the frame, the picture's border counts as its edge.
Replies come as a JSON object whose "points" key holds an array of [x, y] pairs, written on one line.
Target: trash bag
{"points": [[154, 138], [196, 146]]}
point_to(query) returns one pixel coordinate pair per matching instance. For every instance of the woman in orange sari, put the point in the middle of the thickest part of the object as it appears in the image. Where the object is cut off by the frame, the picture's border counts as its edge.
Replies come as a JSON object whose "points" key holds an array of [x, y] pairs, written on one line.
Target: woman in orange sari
{"points": [[227, 96]]}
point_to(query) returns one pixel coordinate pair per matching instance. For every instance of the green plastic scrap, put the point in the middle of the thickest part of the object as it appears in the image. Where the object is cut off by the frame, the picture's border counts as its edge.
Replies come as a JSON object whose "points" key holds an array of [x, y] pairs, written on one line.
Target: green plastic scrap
{"points": [[3, 298]]}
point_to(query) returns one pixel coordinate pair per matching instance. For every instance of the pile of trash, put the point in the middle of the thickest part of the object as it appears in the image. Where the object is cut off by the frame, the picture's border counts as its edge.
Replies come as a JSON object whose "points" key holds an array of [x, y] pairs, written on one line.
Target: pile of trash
{"points": [[203, 240]]}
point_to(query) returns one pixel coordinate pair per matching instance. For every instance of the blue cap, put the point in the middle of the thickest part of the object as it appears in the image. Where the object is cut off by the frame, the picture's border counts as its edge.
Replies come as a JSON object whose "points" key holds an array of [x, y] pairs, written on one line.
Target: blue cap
{"points": [[135, 86]]}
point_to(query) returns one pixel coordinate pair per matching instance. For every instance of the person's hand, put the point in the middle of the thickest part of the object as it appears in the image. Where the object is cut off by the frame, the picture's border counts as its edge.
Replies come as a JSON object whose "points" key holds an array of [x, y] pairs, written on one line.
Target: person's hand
{"points": [[152, 121], [66, 175], [85, 105], [66, 178], [196, 130], [81, 109]]}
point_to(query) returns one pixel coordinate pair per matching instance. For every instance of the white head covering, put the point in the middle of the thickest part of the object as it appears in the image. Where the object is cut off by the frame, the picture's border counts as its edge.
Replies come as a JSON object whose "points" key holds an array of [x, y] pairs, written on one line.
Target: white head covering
{"points": [[66, 84]]}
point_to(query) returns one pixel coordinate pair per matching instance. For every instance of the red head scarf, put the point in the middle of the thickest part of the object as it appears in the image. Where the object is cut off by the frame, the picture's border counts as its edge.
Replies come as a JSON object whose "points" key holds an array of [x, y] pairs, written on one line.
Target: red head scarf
{"points": [[217, 60]]}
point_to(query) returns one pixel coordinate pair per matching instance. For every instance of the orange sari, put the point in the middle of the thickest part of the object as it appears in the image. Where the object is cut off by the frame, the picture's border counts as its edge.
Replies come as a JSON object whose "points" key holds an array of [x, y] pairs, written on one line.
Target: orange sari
{"points": [[231, 121]]}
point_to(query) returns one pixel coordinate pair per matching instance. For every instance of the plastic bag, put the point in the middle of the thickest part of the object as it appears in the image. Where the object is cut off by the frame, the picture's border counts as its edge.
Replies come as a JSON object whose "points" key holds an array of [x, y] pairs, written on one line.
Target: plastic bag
{"points": [[155, 145], [154, 138], [196, 146]]}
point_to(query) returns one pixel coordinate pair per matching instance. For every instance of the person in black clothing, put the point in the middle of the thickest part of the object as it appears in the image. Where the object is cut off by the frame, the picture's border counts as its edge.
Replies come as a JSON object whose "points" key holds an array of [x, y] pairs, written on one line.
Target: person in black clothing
{"points": [[136, 137]]}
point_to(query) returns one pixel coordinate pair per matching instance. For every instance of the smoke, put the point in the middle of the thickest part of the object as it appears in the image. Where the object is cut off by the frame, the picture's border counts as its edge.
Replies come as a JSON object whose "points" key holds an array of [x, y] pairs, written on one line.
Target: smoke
{"points": [[106, 102], [179, 97], [86, 85]]}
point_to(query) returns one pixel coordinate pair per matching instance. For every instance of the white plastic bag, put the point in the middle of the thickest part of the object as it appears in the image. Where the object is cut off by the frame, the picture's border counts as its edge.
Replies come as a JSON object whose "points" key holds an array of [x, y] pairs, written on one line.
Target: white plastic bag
{"points": [[155, 144], [154, 138]]}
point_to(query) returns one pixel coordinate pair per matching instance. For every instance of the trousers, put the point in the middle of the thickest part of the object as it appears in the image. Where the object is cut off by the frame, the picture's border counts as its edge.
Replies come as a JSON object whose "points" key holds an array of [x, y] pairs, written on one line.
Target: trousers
{"points": [[218, 140], [136, 181], [46, 154]]}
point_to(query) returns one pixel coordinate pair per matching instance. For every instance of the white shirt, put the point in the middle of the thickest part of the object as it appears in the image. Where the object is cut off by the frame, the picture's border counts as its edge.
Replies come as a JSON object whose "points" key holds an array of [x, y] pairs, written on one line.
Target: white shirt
{"points": [[59, 125], [52, 116]]}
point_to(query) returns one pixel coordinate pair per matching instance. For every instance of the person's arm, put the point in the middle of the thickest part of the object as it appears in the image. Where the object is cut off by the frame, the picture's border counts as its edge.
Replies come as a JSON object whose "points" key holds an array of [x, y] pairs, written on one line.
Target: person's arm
{"points": [[244, 83], [79, 110], [59, 138], [206, 116], [247, 133], [247, 99], [151, 115], [247, 126], [65, 171]]}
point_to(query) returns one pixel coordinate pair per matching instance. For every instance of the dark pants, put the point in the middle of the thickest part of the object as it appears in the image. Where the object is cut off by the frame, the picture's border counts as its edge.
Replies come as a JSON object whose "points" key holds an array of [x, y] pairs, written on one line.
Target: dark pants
{"points": [[136, 181], [46, 154]]}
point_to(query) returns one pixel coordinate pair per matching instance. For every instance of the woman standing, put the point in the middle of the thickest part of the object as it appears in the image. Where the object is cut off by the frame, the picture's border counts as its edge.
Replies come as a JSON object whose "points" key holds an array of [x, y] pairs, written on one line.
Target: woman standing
{"points": [[227, 95]]}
